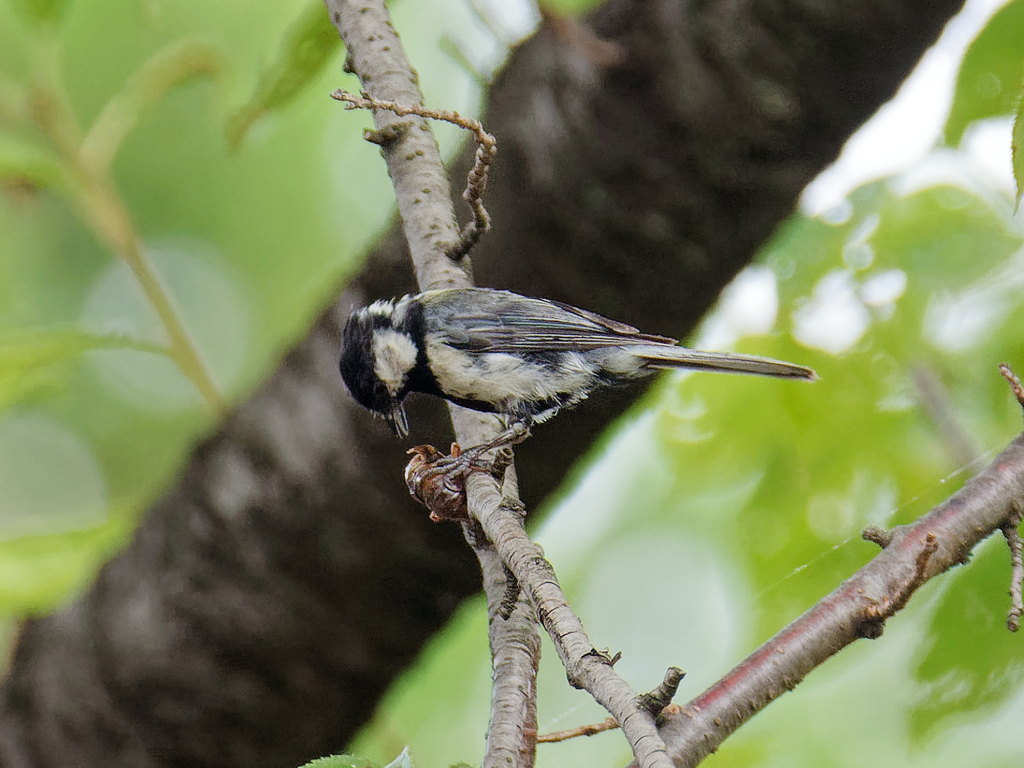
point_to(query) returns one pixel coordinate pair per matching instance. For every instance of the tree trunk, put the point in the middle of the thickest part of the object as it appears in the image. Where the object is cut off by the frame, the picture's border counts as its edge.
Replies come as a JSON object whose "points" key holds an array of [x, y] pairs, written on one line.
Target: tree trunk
{"points": [[272, 594]]}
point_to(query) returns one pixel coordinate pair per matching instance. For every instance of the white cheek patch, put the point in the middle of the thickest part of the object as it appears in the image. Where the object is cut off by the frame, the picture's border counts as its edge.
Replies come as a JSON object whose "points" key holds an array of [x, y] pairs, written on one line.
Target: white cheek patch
{"points": [[394, 356]]}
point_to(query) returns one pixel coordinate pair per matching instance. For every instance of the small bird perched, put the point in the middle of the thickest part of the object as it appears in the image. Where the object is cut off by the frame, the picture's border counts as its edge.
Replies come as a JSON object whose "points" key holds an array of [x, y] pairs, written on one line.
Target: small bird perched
{"points": [[499, 352]]}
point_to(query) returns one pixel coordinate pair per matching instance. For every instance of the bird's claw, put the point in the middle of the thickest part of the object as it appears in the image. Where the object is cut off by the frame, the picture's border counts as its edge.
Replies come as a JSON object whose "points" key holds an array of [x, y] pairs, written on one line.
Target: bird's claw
{"points": [[438, 481]]}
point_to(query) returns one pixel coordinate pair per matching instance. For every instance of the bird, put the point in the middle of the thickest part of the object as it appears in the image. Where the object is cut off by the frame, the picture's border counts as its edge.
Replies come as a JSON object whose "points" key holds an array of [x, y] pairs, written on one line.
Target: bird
{"points": [[495, 351]]}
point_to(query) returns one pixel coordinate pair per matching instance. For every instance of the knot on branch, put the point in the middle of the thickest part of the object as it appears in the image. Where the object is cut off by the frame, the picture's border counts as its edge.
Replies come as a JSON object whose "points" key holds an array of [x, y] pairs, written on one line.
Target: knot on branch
{"points": [[659, 698], [878, 535], [879, 611], [513, 589], [514, 507], [387, 136]]}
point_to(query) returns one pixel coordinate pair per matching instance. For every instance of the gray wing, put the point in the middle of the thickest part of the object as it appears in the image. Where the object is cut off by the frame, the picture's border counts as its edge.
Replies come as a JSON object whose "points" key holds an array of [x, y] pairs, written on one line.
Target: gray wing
{"points": [[486, 320]]}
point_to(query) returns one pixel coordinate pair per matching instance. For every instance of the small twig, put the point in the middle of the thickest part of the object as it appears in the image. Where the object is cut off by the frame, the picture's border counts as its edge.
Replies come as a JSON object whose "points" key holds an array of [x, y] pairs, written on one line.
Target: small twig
{"points": [[877, 535], [659, 698], [476, 181], [1010, 527], [1013, 540], [593, 729], [1015, 385], [608, 724], [893, 603]]}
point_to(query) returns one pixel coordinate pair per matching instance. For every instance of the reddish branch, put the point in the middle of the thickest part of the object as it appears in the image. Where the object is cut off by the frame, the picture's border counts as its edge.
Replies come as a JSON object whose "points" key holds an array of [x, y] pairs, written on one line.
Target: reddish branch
{"points": [[857, 608]]}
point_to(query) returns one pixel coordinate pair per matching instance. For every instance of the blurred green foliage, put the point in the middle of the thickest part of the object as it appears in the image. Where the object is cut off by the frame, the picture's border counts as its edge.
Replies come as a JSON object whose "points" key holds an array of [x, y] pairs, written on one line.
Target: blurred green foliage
{"points": [[176, 205], [41, 12], [189, 154], [1017, 149], [992, 74], [309, 45]]}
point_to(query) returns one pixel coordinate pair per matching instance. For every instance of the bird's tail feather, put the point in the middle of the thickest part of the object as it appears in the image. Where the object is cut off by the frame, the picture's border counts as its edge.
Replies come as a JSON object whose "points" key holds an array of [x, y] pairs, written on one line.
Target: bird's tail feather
{"points": [[658, 356]]}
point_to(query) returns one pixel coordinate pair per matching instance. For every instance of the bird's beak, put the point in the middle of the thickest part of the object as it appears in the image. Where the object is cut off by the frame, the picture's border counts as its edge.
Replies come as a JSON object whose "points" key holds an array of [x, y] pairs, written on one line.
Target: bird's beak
{"points": [[398, 420]]}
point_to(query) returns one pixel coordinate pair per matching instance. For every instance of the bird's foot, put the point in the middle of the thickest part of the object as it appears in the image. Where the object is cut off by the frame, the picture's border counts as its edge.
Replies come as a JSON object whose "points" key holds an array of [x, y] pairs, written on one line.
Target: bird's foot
{"points": [[438, 481], [433, 480], [516, 433]]}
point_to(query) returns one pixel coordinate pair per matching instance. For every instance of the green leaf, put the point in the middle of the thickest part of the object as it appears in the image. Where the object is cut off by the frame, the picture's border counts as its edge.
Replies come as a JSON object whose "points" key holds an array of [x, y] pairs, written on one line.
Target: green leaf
{"points": [[339, 761], [990, 78], [1016, 145], [41, 12], [27, 358], [176, 64], [974, 663], [38, 572], [308, 45]]}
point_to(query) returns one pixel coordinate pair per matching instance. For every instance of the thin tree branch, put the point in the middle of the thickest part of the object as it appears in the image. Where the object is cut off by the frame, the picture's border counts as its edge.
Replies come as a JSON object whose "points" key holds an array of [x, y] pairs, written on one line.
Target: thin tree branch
{"points": [[515, 650], [857, 608], [656, 700], [1014, 382], [592, 729], [586, 667], [376, 55], [476, 180], [608, 724]]}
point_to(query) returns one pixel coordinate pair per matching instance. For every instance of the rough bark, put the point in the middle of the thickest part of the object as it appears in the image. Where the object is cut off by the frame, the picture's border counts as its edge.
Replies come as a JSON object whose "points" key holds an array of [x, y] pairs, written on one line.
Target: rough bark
{"points": [[282, 583]]}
